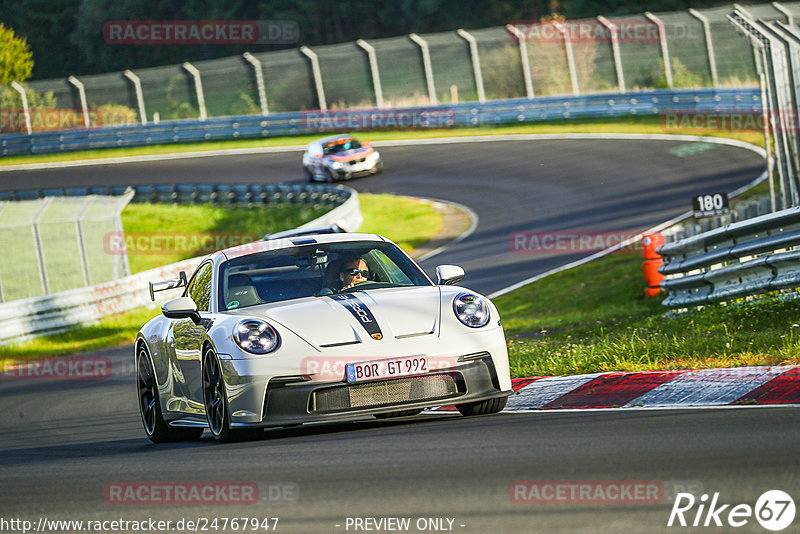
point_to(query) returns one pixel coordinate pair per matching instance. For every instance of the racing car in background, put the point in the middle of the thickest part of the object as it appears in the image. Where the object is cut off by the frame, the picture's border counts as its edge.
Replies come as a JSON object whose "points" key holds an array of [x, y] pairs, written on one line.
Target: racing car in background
{"points": [[340, 157], [315, 328]]}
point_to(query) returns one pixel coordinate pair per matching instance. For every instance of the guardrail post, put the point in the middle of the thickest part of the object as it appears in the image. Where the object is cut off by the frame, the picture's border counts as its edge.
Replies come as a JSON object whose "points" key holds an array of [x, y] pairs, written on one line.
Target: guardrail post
{"points": [[262, 91], [712, 62], [373, 67], [198, 88], [426, 65], [137, 88], [82, 95], [476, 62], [306, 51], [785, 12], [615, 50], [523, 54], [25, 110], [662, 37], [573, 73], [37, 242]]}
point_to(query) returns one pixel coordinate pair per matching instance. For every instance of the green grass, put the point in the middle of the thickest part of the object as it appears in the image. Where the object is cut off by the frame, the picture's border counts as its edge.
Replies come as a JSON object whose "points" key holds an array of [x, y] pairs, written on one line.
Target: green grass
{"points": [[640, 124], [408, 221], [595, 318], [404, 220], [205, 229]]}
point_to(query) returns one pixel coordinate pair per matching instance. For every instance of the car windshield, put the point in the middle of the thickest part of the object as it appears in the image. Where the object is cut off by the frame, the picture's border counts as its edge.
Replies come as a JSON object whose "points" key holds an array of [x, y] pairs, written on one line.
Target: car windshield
{"points": [[341, 145], [315, 270]]}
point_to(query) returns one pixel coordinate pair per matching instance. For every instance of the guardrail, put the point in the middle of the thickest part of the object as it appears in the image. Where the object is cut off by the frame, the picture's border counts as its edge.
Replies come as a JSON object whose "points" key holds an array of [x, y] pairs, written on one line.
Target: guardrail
{"points": [[243, 194], [54, 313], [510, 111], [745, 258]]}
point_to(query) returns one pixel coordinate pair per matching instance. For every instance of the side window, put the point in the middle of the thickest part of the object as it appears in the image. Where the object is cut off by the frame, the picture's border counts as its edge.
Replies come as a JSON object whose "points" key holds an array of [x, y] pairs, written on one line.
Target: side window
{"points": [[200, 287]]}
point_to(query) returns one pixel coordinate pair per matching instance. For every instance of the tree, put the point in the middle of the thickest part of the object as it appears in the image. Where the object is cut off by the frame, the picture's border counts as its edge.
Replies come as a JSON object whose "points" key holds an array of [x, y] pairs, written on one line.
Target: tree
{"points": [[16, 59]]}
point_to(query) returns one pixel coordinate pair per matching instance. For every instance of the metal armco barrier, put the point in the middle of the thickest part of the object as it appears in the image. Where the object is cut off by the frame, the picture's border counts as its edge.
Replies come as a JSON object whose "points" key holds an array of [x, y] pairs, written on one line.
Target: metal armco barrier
{"points": [[745, 258], [510, 111], [57, 312], [203, 193]]}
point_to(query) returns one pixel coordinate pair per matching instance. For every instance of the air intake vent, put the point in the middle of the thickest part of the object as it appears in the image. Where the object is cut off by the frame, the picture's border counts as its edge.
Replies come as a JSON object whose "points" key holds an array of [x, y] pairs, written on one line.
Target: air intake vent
{"points": [[374, 394]]}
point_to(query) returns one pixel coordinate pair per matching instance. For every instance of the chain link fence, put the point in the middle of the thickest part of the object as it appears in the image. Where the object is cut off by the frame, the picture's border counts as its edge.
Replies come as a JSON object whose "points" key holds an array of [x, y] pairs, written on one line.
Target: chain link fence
{"points": [[54, 244], [562, 58]]}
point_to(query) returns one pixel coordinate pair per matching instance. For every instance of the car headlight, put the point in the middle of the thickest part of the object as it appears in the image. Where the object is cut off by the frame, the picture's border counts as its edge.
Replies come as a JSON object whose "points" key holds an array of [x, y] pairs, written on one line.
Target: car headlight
{"points": [[337, 166], [471, 309], [255, 336]]}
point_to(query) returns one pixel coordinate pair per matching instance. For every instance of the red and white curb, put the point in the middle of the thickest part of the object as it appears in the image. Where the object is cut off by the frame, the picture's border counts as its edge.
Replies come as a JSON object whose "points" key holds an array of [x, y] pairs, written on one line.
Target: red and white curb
{"points": [[657, 389]]}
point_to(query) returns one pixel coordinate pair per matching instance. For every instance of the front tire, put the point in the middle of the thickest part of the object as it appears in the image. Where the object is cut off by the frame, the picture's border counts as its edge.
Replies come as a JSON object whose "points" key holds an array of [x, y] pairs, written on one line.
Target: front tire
{"points": [[215, 401], [483, 407], [150, 408]]}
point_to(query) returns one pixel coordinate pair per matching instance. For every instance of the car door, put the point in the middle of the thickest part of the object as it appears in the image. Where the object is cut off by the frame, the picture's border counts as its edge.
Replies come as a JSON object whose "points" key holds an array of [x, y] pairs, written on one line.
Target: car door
{"points": [[188, 340]]}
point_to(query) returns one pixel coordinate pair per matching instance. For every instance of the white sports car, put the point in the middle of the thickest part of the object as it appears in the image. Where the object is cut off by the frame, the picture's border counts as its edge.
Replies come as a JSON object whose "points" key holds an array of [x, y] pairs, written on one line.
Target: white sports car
{"points": [[315, 328]]}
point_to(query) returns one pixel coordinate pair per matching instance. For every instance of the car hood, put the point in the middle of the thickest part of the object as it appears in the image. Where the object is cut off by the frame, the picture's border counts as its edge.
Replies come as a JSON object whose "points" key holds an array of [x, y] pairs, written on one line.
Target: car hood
{"points": [[351, 154], [336, 320]]}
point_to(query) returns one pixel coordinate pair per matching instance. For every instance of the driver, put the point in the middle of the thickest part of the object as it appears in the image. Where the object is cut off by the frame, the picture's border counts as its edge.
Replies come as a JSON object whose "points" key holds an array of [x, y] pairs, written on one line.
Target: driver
{"points": [[354, 271]]}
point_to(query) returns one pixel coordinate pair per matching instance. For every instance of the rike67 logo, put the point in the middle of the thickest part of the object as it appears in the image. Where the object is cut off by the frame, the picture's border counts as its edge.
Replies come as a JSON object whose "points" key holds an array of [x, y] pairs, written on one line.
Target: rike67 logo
{"points": [[774, 510]]}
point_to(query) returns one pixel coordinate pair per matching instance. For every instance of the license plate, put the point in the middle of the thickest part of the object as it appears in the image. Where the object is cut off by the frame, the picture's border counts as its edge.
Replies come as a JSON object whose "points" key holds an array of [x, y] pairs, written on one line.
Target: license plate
{"points": [[376, 370]]}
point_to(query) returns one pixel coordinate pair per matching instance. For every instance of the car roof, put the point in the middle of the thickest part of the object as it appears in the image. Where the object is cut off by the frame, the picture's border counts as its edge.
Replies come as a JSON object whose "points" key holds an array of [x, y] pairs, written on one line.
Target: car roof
{"points": [[296, 241]]}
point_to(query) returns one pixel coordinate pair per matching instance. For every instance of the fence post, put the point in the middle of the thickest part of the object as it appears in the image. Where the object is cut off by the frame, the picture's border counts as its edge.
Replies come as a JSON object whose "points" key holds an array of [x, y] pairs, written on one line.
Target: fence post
{"points": [[37, 242], [137, 88], [87, 279], [523, 54], [25, 110], [785, 12], [662, 37], [615, 50], [373, 67], [767, 141], [476, 62], [573, 73], [426, 65], [712, 62], [198, 88], [82, 95], [306, 51], [262, 91]]}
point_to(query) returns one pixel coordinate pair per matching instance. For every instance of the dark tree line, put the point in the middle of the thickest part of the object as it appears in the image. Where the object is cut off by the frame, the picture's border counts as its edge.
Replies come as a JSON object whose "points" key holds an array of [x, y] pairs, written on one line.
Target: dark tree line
{"points": [[66, 36]]}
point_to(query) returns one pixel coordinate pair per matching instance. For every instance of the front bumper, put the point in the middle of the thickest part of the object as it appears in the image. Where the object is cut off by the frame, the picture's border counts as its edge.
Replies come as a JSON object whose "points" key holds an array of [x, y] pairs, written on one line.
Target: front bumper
{"points": [[288, 403]]}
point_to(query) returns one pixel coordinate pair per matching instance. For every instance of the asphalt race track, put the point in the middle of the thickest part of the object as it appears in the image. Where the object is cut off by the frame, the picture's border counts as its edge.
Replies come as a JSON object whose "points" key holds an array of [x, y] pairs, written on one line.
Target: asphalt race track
{"points": [[546, 186], [67, 445]]}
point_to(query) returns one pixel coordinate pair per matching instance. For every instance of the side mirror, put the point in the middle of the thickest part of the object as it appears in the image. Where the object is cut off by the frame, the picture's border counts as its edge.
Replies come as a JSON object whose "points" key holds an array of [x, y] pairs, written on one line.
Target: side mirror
{"points": [[447, 275], [181, 308], [366, 144]]}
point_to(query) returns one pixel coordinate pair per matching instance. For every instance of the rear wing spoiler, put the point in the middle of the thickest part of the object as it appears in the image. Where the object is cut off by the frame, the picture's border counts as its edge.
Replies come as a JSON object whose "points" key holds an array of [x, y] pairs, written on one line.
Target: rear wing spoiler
{"points": [[168, 284]]}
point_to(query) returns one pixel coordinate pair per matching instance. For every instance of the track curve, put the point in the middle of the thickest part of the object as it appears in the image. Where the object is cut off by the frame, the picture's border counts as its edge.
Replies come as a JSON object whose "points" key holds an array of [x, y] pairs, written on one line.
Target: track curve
{"points": [[64, 442], [547, 185]]}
